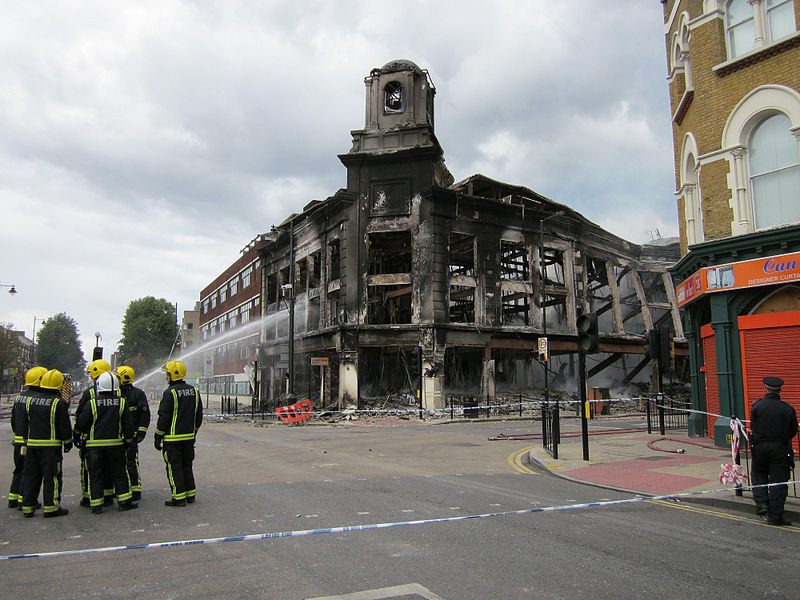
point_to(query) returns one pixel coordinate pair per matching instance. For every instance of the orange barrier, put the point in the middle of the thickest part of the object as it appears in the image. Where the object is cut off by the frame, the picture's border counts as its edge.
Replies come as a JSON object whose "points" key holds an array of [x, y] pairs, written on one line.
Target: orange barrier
{"points": [[295, 413]]}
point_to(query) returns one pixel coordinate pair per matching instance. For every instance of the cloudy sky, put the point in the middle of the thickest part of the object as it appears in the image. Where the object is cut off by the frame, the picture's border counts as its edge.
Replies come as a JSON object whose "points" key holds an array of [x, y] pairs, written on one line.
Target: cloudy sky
{"points": [[144, 144]]}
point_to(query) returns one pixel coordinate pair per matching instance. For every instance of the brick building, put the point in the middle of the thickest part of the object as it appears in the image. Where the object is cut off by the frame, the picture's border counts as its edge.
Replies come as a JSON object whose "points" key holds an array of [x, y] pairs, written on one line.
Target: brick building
{"points": [[228, 335], [408, 283], [734, 88]]}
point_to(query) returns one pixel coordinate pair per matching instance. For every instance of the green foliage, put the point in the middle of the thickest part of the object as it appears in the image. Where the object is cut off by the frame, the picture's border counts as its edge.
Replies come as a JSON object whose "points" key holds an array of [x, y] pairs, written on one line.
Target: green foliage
{"points": [[148, 329], [57, 346]]}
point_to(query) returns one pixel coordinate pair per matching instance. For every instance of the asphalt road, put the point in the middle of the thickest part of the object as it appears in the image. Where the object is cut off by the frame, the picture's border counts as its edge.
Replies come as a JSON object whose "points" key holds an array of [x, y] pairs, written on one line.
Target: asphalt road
{"points": [[278, 478]]}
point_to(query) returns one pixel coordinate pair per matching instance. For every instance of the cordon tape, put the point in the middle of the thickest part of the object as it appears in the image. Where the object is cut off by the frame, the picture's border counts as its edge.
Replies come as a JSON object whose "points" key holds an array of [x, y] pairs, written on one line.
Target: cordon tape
{"points": [[305, 532]]}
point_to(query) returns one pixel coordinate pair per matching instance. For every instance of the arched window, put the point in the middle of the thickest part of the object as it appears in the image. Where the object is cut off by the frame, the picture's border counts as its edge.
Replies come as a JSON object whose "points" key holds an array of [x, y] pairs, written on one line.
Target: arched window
{"points": [[774, 173], [740, 25], [750, 24]]}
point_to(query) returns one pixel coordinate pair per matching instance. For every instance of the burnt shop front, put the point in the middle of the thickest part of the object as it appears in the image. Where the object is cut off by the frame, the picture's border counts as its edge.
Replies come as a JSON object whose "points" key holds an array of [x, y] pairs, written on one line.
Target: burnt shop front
{"points": [[740, 302]]}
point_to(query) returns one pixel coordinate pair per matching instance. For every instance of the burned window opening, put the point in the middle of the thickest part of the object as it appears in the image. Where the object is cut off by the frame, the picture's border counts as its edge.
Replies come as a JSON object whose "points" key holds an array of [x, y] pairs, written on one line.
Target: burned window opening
{"points": [[389, 253], [389, 304], [333, 260], [597, 280], [387, 370], [315, 272], [556, 309], [553, 267], [625, 286], [654, 290], [393, 97], [462, 304], [462, 254], [463, 369], [312, 321], [514, 261], [516, 308], [272, 288], [337, 316], [300, 276]]}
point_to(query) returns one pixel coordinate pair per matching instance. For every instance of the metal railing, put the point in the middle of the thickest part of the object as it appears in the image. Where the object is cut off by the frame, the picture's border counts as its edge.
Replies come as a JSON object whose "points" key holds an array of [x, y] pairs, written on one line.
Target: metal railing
{"points": [[669, 412], [550, 429]]}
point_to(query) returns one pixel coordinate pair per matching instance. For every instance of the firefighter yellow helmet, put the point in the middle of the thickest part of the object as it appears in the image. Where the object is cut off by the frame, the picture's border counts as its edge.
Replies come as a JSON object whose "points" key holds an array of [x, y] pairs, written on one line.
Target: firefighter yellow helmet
{"points": [[98, 366], [34, 375], [175, 369], [52, 380], [126, 374]]}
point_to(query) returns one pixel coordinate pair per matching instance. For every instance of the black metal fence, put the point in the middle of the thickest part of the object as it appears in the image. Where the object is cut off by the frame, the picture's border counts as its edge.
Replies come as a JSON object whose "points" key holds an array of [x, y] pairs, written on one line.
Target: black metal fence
{"points": [[550, 428], [667, 413]]}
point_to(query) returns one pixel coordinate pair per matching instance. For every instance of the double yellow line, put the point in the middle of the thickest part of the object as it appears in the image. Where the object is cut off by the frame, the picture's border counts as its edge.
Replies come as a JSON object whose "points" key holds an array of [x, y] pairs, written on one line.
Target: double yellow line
{"points": [[716, 513], [515, 460]]}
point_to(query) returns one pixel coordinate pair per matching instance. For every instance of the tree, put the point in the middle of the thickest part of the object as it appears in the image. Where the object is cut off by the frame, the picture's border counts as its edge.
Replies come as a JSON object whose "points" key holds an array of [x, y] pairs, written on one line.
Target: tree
{"points": [[9, 350], [149, 328], [57, 346]]}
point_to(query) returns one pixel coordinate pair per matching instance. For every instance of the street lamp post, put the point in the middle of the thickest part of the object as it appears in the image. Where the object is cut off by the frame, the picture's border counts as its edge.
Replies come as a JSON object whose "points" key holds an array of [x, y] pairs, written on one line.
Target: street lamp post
{"points": [[542, 279], [97, 353]]}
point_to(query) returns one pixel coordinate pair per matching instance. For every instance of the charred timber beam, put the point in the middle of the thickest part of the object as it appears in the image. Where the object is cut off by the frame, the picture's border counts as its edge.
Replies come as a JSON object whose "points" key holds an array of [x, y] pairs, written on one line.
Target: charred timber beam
{"points": [[606, 363], [636, 370]]}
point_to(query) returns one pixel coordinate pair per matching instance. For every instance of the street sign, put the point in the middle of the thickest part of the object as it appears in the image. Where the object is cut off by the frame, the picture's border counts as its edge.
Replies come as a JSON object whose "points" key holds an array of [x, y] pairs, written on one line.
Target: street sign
{"points": [[319, 361], [542, 345]]}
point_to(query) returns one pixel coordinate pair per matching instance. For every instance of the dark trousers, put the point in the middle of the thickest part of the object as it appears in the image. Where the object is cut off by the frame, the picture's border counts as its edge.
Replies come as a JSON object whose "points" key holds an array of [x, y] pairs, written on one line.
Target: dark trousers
{"points": [[103, 461], [132, 463], [178, 457], [42, 472], [15, 492], [770, 465]]}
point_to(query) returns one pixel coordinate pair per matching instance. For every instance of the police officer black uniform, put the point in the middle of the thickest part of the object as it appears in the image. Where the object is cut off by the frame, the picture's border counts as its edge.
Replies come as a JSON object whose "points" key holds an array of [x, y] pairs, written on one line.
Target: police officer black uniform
{"points": [[136, 402], [33, 378], [180, 414], [47, 429], [107, 426], [773, 423]]}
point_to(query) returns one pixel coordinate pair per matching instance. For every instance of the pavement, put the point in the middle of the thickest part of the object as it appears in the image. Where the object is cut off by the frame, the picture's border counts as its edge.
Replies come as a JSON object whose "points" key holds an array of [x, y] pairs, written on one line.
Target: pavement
{"points": [[655, 465]]}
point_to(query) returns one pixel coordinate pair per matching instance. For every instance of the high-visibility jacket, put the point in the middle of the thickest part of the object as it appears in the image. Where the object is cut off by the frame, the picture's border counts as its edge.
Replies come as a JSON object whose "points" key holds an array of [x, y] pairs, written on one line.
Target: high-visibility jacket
{"points": [[18, 410], [136, 401], [180, 413], [105, 421], [46, 421]]}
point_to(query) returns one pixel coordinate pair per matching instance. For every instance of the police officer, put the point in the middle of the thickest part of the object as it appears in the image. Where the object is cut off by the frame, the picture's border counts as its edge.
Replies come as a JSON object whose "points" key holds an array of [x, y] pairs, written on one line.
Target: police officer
{"points": [[46, 427], [180, 414], [107, 426], [773, 423], [136, 402], [33, 378], [93, 370]]}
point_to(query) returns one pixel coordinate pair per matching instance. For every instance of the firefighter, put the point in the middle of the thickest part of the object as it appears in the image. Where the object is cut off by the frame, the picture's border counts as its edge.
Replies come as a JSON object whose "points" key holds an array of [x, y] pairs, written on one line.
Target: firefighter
{"points": [[108, 427], [93, 370], [45, 424], [180, 415], [33, 378], [136, 401]]}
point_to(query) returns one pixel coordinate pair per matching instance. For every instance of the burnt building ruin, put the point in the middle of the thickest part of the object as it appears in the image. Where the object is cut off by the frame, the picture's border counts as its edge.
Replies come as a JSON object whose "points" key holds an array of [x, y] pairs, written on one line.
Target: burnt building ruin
{"points": [[408, 283]]}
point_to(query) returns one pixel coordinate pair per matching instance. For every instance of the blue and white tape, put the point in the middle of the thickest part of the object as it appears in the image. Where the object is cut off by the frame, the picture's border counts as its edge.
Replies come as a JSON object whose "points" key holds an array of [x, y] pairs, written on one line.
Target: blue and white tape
{"points": [[305, 532]]}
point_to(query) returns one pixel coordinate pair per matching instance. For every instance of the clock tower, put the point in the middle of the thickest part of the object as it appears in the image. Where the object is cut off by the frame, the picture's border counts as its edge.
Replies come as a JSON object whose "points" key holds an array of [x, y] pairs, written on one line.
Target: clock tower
{"points": [[399, 120]]}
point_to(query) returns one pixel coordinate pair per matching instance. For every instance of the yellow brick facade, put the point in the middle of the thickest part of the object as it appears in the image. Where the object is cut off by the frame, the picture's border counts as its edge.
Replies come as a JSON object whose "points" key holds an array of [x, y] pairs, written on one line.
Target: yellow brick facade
{"points": [[718, 86]]}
